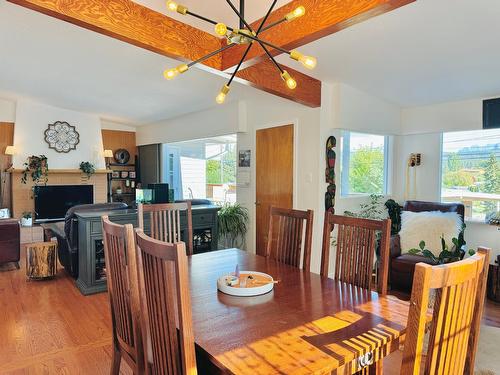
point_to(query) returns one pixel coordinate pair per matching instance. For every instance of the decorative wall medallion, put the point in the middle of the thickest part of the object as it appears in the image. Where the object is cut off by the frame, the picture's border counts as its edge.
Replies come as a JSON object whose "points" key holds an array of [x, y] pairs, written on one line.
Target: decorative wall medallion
{"points": [[62, 137]]}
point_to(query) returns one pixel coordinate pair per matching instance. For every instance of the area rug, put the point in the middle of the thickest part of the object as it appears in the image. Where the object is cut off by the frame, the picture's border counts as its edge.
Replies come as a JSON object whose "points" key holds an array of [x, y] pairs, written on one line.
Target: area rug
{"points": [[487, 357]]}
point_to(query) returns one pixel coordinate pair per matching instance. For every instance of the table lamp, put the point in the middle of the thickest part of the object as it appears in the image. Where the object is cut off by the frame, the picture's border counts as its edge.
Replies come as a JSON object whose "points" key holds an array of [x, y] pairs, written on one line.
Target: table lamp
{"points": [[107, 155]]}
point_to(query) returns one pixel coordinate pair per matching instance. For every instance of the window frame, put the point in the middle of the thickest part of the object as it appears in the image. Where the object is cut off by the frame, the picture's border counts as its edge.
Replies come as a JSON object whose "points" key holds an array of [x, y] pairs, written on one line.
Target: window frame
{"points": [[345, 161]]}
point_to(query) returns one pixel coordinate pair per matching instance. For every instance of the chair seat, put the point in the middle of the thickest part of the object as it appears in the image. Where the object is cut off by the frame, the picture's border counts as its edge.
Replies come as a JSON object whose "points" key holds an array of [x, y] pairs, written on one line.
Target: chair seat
{"points": [[407, 262]]}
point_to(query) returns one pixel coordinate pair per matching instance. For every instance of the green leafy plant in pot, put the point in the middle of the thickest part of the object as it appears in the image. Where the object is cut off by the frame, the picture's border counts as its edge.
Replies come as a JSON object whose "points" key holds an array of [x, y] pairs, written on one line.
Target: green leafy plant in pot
{"points": [[88, 168], [27, 219], [37, 168], [447, 255], [233, 225]]}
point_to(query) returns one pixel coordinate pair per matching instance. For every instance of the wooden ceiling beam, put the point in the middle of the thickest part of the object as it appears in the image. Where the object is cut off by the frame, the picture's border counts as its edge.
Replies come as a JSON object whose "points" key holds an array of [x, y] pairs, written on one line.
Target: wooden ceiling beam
{"points": [[140, 26], [322, 18]]}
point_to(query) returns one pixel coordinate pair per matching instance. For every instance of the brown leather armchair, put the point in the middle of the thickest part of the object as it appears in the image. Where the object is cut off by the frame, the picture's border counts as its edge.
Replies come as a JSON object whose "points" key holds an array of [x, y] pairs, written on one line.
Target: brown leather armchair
{"points": [[402, 266], [10, 241]]}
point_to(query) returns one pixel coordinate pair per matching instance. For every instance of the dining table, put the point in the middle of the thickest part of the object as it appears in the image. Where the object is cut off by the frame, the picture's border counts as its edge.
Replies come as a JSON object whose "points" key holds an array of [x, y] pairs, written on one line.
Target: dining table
{"points": [[307, 324]]}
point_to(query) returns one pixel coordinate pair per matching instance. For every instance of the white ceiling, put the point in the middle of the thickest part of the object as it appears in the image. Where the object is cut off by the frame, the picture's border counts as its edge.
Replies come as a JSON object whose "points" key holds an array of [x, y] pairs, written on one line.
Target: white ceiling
{"points": [[427, 52]]}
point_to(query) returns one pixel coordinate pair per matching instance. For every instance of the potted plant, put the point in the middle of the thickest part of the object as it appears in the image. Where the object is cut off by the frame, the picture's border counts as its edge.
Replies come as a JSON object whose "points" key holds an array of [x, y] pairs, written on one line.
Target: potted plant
{"points": [[88, 168], [233, 225], [27, 219], [36, 167]]}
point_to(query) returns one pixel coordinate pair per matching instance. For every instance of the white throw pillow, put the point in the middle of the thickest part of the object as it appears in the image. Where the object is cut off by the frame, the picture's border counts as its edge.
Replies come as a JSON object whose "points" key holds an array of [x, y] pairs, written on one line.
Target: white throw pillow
{"points": [[428, 226]]}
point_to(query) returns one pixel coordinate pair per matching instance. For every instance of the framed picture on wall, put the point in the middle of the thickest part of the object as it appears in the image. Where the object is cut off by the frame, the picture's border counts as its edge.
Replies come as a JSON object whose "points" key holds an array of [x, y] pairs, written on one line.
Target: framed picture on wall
{"points": [[131, 174], [115, 174], [244, 158], [124, 174]]}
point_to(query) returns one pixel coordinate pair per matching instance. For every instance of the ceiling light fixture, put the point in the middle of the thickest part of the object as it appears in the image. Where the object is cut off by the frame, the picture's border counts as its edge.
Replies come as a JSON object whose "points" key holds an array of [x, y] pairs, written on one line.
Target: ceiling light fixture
{"points": [[244, 35]]}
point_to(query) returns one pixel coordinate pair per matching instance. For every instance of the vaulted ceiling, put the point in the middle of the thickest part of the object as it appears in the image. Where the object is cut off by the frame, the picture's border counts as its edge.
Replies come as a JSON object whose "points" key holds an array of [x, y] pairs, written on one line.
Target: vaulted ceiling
{"points": [[425, 52]]}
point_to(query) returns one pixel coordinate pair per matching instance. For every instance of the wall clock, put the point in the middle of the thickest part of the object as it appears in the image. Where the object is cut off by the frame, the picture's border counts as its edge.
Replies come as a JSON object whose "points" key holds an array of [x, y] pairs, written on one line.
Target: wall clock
{"points": [[122, 156], [62, 137]]}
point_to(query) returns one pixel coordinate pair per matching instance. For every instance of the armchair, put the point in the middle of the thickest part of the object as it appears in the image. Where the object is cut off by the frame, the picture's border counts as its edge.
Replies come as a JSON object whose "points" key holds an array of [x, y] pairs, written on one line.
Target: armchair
{"points": [[67, 233], [402, 266]]}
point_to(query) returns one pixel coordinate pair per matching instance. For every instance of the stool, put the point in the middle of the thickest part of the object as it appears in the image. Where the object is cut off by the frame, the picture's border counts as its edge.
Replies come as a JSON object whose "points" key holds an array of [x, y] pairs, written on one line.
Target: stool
{"points": [[41, 260]]}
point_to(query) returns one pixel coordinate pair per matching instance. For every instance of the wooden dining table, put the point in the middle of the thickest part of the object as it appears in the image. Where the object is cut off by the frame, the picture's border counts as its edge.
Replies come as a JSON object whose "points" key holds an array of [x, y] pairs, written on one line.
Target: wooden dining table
{"points": [[307, 324]]}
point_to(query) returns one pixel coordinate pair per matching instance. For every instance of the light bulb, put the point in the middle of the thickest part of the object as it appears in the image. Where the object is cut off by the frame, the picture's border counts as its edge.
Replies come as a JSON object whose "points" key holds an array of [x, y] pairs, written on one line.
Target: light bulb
{"points": [[221, 98], [170, 73], [296, 13], [308, 62], [174, 72], [174, 7], [221, 29], [290, 82]]}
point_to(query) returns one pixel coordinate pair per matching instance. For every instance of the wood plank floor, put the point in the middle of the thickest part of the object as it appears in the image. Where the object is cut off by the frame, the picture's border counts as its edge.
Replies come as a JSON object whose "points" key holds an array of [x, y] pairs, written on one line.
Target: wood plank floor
{"points": [[48, 327]]}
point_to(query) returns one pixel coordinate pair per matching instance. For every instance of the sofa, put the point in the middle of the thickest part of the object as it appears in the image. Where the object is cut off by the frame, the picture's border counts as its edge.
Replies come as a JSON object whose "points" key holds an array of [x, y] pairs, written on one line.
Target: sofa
{"points": [[66, 233], [10, 241], [402, 266]]}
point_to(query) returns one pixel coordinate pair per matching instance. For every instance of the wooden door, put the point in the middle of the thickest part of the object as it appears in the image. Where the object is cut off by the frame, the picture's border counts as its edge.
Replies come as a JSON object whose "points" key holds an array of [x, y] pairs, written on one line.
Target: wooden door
{"points": [[274, 182], [6, 139]]}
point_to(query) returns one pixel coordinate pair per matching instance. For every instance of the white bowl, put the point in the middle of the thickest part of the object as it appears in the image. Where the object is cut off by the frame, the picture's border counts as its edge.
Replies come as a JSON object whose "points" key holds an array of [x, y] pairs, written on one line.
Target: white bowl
{"points": [[248, 291]]}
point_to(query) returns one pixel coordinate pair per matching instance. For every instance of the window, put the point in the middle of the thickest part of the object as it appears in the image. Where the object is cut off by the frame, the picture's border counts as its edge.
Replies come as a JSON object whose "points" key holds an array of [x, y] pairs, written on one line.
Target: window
{"points": [[364, 163], [203, 169], [471, 171]]}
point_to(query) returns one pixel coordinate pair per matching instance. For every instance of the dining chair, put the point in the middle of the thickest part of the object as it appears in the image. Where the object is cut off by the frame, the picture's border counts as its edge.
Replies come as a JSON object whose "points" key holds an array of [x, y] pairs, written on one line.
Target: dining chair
{"points": [[123, 292], [288, 241], [165, 222], [165, 299], [355, 250], [459, 292]]}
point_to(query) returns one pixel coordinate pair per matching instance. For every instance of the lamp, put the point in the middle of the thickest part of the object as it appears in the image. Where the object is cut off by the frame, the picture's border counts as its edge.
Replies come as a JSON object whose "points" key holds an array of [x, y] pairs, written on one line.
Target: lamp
{"points": [[247, 35], [10, 150], [107, 155]]}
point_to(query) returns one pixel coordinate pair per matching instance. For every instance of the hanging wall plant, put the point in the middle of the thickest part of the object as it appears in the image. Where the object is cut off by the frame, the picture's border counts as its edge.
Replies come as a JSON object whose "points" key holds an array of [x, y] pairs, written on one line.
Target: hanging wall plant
{"points": [[87, 168], [37, 168]]}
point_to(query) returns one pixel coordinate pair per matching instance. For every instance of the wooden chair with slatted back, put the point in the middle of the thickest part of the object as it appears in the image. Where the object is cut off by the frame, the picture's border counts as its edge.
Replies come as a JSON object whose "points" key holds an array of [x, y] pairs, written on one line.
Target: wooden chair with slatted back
{"points": [[165, 222], [288, 241], [355, 250], [460, 289], [123, 291], [165, 299]]}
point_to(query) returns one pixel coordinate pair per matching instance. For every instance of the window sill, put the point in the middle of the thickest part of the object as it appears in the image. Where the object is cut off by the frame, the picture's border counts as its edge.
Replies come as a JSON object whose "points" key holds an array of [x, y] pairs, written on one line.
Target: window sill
{"points": [[479, 221]]}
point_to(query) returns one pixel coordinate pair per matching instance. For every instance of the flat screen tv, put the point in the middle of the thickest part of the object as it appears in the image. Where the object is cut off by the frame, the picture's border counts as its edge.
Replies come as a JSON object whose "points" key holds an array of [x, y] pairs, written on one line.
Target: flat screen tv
{"points": [[52, 201]]}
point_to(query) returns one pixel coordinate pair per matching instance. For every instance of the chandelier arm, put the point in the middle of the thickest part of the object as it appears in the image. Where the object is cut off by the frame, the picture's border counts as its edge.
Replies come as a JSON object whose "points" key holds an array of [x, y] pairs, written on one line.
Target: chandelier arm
{"points": [[271, 57], [264, 20], [239, 64], [266, 43], [238, 14], [210, 55], [271, 25], [206, 19]]}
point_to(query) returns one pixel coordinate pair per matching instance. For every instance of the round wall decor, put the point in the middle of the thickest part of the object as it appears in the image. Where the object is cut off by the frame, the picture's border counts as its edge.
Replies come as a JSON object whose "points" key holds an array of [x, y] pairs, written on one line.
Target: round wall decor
{"points": [[122, 156], [62, 137]]}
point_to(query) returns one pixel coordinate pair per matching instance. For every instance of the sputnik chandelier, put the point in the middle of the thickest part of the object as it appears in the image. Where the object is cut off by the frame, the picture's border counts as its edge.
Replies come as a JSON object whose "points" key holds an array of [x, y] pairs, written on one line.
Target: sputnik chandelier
{"points": [[244, 35]]}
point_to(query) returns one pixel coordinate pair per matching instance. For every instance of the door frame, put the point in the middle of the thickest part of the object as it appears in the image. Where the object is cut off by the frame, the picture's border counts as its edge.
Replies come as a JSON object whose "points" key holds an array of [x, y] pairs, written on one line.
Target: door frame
{"points": [[274, 124]]}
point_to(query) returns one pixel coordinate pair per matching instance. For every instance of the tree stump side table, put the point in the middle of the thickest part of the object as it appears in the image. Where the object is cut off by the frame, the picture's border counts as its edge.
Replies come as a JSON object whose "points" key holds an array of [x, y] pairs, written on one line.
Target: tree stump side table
{"points": [[41, 260]]}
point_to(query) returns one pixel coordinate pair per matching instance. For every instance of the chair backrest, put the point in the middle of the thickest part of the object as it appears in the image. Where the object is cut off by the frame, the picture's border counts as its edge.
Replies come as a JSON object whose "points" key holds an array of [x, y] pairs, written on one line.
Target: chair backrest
{"points": [[123, 288], [458, 307], [165, 298], [421, 206], [288, 241], [165, 222], [355, 250]]}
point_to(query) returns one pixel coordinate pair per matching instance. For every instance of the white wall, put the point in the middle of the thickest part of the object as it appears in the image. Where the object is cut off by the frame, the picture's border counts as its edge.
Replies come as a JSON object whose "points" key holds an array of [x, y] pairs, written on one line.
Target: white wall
{"points": [[113, 125], [32, 120], [7, 110], [422, 128]]}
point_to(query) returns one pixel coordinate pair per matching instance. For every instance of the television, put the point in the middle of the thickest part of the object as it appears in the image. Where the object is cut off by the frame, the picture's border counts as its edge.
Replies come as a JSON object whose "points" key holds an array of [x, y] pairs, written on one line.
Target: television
{"points": [[491, 114], [52, 201]]}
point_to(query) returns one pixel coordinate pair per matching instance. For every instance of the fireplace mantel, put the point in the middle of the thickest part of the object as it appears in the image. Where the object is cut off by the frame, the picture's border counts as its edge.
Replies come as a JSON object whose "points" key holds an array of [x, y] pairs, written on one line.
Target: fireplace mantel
{"points": [[62, 171]]}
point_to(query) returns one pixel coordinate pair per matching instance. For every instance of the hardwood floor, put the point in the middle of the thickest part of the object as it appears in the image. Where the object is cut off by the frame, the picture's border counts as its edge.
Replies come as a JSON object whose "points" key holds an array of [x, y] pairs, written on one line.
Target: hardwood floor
{"points": [[48, 327]]}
